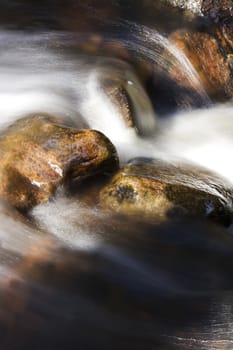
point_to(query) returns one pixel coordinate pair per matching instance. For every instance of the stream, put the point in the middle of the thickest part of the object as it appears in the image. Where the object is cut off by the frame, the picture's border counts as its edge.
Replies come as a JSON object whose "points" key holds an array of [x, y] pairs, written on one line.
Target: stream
{"points": [[71, 275]]}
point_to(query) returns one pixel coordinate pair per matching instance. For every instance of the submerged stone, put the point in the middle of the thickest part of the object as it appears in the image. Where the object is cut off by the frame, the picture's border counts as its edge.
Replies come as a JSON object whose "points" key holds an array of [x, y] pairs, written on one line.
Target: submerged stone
{"points": [[38, 154], [155, 189]]}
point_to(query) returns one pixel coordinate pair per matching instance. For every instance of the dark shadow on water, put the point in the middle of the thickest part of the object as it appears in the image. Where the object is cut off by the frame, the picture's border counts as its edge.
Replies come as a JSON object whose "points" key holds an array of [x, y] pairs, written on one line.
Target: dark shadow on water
{"points": [[163, 283]]}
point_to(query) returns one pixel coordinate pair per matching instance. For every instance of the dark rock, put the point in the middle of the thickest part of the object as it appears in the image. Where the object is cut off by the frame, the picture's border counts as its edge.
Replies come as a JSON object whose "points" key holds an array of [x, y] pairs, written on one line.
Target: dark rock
{"points": [[217, 9], [157, 189], [126, 92], [38, 154]]}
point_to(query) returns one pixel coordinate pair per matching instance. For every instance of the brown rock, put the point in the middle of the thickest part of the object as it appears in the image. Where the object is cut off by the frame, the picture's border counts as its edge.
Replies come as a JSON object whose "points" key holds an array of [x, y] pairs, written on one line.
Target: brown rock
{"points": [[129, 97], [38, 155], [154, 189], [208, 55]]}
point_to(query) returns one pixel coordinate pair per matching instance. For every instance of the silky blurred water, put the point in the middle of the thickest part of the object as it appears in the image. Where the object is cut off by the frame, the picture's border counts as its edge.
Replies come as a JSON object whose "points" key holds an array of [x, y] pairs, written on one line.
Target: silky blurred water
{"points": [[73, 276]]}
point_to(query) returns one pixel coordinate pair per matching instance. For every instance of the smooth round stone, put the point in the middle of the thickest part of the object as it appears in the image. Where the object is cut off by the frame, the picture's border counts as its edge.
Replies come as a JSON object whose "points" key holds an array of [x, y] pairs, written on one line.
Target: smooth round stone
{"points": [[155, 189], [38, 155]]}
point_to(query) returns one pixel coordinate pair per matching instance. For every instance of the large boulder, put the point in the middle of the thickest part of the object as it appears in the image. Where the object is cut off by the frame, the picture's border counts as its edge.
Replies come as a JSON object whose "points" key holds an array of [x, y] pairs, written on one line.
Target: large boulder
{"points": [[155, 189], [38, 154]]}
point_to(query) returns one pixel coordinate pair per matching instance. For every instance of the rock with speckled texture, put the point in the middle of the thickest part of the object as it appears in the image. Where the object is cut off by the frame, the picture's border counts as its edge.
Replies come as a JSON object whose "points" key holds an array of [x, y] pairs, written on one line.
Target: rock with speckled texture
{"points": [[38, 155], [210, 54], [217, 9], [154, 189]]}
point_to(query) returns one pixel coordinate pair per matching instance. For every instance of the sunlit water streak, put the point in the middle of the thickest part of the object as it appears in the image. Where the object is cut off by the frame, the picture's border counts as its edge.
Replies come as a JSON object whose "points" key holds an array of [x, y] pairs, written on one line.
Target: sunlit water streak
{"points": [[160, 51]]}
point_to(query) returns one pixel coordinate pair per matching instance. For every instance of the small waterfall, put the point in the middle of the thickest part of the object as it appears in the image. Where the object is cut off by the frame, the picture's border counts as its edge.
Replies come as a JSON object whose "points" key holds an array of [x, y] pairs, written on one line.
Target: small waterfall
{"points": [[155, 47]]}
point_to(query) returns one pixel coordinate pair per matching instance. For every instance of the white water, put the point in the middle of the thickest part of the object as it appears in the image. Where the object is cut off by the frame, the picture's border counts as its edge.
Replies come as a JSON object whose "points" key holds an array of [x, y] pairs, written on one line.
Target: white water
{"points": [[36, 78], [193, 5], [150, 45]]}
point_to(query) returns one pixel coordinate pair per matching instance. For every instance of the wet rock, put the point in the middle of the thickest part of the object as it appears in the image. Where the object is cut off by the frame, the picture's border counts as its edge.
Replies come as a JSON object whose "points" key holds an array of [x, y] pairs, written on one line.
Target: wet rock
{"points": [[188, 8], [210, 56], [194, 6], [217, 9], [128, 96], [38, 154], [209, 48], [155, 189]]}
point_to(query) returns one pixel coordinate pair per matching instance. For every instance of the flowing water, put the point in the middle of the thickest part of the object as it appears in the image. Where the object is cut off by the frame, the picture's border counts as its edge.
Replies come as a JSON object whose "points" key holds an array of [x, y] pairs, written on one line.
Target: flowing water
{"points": [[71, 276]]}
